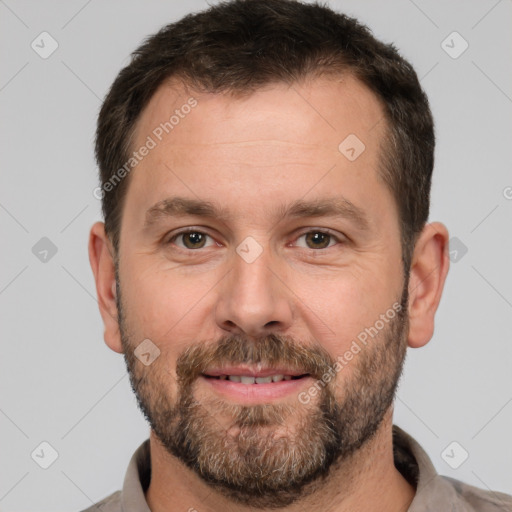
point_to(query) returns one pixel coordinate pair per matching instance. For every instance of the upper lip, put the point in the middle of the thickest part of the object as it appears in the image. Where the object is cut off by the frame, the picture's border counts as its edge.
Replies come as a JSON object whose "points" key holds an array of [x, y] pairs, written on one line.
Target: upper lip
{"points": [[252, 371]]}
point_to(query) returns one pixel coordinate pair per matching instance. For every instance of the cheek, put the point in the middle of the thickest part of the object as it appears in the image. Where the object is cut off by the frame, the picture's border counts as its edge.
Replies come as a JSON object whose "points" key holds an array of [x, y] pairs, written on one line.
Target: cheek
{"points": [[346, 304], [154, 302]]}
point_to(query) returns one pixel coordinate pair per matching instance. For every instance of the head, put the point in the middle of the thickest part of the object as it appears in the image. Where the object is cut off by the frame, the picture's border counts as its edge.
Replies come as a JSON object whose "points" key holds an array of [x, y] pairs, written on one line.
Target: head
{"points": [[265, 171]]}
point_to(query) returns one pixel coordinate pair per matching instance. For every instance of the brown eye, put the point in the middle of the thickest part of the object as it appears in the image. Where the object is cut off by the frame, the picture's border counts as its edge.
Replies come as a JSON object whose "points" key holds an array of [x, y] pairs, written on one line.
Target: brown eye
{"points": [[190, 239], [193, 240], [317, 240]]}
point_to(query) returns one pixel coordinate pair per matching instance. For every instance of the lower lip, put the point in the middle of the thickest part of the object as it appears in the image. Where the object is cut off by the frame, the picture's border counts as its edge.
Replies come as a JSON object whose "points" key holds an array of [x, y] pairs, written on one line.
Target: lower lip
{"points": [[257, 393]]}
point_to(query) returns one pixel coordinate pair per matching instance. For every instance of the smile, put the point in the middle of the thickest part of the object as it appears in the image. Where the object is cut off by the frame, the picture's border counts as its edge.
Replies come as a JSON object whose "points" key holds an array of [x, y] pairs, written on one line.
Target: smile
{"points": [[249, 379], [245, 384]]}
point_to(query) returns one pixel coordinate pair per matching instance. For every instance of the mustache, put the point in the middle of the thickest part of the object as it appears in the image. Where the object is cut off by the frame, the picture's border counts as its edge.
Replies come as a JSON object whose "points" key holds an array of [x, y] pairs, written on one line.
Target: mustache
{"points": [[270, 350]]}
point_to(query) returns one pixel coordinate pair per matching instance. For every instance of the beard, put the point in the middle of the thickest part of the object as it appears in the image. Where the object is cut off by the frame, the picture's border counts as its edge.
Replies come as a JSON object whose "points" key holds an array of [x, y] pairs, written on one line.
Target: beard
{"points": [[268, 455]]}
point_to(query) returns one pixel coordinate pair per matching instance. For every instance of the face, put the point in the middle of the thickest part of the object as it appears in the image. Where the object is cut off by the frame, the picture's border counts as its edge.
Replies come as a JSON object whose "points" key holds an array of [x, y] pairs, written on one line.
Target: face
{"points": [[264, 266]]}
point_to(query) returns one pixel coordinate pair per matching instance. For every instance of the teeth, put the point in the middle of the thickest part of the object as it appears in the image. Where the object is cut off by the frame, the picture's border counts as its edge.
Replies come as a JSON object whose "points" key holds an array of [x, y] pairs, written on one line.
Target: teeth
{"points": [[247, 379], [263, 380]]}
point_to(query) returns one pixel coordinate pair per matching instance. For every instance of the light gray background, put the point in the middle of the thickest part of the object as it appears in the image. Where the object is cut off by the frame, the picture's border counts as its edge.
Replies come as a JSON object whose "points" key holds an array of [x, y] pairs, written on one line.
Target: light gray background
{"points": [[59, 381]]}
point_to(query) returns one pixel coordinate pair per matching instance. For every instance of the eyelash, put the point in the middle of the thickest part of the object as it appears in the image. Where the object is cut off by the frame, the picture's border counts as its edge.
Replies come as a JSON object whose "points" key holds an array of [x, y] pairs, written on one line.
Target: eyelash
{"points": [[193, 230]]}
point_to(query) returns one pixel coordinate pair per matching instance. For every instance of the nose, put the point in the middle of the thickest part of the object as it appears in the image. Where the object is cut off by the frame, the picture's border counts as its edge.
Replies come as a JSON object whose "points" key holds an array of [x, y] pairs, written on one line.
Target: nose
{"points": [[254, 299]]}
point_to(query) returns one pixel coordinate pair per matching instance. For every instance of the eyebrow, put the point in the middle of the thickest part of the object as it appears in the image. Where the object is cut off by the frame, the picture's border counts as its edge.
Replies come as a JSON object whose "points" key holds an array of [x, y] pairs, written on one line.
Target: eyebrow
{"points": [[328, 207]]}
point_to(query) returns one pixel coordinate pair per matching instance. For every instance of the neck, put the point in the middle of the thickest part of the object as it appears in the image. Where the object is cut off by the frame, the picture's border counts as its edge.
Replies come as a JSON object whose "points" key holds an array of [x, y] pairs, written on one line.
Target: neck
{"points": [[366, 481]]}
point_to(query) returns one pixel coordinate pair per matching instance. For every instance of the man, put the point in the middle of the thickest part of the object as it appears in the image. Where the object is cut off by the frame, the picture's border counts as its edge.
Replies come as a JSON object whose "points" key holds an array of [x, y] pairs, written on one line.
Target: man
{"points": [[265, 261]]}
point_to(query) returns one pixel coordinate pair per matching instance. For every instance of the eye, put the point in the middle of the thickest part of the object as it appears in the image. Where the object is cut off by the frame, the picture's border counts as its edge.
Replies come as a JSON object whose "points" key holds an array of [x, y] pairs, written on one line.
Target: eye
{"points": [[190, 239], [318, 239]]}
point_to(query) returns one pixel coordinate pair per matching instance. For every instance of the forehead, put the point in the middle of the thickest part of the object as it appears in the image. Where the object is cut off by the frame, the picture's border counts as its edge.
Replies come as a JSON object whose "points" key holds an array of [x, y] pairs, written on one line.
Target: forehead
{"points": [[321, 110], [281, 140]]}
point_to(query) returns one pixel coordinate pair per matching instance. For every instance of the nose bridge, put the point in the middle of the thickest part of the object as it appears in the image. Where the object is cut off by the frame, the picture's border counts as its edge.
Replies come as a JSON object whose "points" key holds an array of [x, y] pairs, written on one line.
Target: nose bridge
{"points": [[253, 300]]}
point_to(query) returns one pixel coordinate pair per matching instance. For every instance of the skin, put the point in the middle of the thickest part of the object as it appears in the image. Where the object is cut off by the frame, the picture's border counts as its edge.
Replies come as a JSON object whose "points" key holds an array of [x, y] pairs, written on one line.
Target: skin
{"points": [[250, 155]]}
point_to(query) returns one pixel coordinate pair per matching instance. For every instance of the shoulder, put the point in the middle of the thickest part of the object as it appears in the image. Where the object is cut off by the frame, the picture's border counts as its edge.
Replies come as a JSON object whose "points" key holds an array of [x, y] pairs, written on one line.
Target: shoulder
{"points": [[480, 500], [111, 503]]}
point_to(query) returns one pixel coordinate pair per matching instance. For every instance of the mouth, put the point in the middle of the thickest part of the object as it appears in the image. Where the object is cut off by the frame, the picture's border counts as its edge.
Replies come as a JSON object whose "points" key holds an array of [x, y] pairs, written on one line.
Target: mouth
{"points": [[255, 385], [251, 379]]}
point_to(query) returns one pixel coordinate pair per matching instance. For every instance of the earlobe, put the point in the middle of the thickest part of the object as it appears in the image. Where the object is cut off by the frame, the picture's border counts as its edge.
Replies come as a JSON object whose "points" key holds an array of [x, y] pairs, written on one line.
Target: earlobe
{"points": [[102, 264], [429, 267]]}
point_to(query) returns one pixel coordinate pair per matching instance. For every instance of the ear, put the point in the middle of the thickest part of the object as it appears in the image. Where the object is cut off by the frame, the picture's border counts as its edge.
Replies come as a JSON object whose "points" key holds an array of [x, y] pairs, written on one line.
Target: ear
{"points": [[101, 256], [429, 266]]}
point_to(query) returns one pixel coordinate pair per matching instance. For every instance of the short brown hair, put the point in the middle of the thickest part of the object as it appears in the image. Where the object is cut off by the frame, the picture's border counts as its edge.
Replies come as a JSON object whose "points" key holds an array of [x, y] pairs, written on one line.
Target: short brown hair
{"points": [[241, 45]]}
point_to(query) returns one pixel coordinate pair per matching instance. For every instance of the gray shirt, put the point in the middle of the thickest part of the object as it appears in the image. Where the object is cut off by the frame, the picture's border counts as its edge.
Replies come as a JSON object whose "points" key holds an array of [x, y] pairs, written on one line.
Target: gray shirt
{"points": [[434, 493]]}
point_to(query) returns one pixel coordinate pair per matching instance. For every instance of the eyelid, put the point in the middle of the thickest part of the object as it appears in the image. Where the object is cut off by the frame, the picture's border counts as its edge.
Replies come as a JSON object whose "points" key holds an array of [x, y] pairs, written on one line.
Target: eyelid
{"points": [[326, 231]]}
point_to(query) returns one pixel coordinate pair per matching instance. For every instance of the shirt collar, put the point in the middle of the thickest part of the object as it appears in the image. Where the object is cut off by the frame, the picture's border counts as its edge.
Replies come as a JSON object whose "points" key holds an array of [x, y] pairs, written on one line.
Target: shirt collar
{"points": [[136, 480], [433, 492]]}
